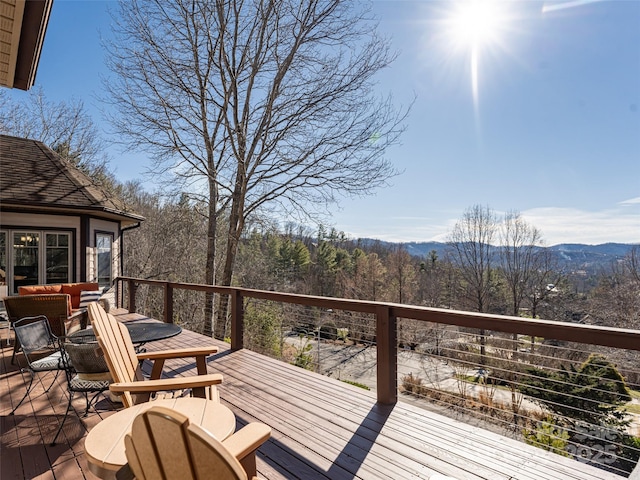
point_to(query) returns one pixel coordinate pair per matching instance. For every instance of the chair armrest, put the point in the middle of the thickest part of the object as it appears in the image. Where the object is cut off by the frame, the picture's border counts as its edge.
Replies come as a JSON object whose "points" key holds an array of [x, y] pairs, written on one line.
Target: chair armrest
{"points": [[175, 383], [76, 321], [247, 439], [77, 314], [200, 354], [178, 353]]}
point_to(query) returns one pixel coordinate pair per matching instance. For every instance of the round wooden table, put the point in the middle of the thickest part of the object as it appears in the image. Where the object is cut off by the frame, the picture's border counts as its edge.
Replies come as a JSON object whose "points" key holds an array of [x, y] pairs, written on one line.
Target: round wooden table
{"points": [[104, 445]]}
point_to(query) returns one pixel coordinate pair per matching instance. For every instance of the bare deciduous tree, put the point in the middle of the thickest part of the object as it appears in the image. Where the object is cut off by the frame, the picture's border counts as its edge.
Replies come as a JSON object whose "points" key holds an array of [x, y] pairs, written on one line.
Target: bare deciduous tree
{"points": [[472, 251], [543, 281], [616, 299], [471, 248], [522, 259], [432, 280], [519, 252], [64, 126], [401, 276], [254, 105], [632, 263]]}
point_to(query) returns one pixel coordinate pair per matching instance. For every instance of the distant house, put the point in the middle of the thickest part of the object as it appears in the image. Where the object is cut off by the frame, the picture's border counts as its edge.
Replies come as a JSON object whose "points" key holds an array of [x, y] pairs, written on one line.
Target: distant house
{"points": [[56, 224]]}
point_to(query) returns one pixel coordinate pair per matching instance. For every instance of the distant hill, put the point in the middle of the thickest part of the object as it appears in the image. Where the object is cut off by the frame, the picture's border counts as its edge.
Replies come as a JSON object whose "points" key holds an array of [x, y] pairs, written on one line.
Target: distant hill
{"points": [[418, 249], [571, 256], [590, 258]]}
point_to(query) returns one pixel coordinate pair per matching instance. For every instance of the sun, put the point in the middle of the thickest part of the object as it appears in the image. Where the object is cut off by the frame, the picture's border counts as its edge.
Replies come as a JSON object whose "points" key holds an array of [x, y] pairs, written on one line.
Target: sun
{"points": [[473, 26], [475, 23]]}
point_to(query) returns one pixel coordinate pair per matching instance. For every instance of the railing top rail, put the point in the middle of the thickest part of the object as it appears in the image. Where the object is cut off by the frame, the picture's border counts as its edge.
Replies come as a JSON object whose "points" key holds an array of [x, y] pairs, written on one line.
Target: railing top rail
{"points": [[588, 334]]}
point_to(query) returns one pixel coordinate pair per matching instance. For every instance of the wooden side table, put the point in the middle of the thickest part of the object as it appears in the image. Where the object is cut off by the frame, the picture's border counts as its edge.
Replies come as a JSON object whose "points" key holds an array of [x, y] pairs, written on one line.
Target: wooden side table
{"points": [[104, 445]]}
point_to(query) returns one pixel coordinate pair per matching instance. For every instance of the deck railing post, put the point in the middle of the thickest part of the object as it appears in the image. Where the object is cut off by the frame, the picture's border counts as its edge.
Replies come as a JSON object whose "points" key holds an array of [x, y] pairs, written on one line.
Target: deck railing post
{"points": [[132, 295], [168, 302], [387, 364], [237, 320], [118, 300]]}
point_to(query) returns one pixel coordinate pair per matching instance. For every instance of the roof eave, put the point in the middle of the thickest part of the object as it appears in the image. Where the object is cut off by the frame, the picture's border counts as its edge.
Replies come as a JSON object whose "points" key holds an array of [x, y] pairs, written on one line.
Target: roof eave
{"points": [[124, 218], [27, 37]]}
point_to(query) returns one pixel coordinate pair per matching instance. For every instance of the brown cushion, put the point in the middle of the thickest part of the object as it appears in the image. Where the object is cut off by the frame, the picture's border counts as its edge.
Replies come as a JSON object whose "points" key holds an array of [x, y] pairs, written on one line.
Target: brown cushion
{"points": [[74, 289], [44, 290], [38, 289]]}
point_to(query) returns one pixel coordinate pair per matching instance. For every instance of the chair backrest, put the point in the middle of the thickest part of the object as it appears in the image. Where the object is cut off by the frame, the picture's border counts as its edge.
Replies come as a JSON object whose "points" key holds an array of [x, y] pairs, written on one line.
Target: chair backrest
{"points": [[84, 358], [163, 444], [34, 334], [119, 353], [53, 306]]}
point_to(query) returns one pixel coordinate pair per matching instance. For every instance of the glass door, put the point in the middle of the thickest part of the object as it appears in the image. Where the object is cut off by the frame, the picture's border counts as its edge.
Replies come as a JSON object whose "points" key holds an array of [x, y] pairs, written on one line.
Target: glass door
{"points": [[3, 264], [26, 251]]}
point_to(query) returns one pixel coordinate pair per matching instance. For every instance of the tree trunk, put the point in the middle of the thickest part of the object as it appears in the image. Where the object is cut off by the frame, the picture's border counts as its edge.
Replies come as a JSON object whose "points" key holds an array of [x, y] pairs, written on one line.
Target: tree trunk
{"points": [[210, 269], [236, 225]]}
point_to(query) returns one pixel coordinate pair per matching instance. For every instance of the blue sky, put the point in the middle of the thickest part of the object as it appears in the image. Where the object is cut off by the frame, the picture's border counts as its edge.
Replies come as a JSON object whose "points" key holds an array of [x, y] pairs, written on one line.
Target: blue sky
{"points": [[552, 129]]}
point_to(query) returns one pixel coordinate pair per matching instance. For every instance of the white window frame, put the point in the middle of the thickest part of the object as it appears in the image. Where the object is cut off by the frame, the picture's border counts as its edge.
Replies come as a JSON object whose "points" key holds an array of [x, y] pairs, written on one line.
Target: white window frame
{"points": [[41, 255]]}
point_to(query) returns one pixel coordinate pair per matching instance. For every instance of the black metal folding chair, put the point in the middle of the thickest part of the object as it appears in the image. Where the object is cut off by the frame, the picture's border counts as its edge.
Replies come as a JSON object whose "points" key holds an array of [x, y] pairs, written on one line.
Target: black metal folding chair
{"points": [[86, 372], [41, 350]]}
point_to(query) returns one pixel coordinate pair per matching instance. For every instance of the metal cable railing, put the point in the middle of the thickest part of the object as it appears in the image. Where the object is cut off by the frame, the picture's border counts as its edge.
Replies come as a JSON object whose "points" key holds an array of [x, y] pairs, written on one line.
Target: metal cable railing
{"points": [[577, 395]]}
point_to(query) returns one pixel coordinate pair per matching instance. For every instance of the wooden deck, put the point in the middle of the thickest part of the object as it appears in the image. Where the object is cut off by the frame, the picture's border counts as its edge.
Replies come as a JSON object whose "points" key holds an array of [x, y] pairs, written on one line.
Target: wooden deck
{"points": [[322, 428]]}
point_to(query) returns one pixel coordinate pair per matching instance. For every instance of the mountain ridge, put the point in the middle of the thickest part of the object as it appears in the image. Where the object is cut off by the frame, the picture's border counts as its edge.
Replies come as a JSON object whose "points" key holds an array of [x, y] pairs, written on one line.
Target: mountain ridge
{"points": [[572, 256]]}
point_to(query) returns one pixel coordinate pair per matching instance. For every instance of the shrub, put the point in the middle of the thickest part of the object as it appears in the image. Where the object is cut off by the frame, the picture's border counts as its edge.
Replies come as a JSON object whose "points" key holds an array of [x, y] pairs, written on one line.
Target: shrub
{"points": [[548, 435], [343, 334], [412, 384], [303, 358], [592, 393]]}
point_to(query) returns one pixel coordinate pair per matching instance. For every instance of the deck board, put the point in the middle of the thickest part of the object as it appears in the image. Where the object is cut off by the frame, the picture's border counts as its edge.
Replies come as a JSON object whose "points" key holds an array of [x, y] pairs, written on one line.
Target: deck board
{"points": [[322, 428]]}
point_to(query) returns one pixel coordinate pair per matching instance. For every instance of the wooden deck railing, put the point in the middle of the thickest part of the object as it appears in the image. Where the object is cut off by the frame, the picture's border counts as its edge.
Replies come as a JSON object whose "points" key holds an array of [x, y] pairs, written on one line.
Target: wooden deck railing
{"points": [[386, 315]]}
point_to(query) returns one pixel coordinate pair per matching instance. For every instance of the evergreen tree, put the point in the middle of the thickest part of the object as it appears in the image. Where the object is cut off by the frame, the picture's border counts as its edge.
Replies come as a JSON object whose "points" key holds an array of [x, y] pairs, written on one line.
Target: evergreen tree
{"points": [[592, 393]]}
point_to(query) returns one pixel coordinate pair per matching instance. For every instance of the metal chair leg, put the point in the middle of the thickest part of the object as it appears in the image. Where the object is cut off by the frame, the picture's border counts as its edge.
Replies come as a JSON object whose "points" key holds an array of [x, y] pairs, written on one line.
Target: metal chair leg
{"points": [[16, 347], [54, 381], [66, 414], [70, 406], [25, 395], [89, 402]]}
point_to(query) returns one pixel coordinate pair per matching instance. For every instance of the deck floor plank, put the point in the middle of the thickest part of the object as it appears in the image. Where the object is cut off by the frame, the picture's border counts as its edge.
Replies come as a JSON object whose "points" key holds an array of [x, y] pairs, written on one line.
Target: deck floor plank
{"points": [[331, 435]]}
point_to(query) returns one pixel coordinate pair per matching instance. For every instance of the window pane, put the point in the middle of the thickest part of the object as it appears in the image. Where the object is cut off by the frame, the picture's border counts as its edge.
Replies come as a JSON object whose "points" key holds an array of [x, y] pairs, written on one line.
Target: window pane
{"points": [[57, 258], [104, 246], [103, 241], [25, 259]]}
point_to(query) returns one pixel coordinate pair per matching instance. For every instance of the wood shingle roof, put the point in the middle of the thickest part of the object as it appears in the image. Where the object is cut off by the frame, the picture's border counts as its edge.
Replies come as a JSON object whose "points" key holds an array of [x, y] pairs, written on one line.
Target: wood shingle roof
{"points": [[34, 177]]}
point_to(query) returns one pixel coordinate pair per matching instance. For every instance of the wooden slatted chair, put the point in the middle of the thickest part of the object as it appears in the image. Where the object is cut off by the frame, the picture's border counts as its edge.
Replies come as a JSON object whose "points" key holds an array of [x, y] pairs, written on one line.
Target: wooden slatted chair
{"points": [[163, 444], [124, 364]]}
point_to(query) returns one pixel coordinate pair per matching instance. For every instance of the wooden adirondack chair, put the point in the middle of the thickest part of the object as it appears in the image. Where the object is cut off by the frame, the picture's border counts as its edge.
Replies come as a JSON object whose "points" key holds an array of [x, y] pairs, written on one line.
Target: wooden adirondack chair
{"points": [[124, 364], [163, 444]]}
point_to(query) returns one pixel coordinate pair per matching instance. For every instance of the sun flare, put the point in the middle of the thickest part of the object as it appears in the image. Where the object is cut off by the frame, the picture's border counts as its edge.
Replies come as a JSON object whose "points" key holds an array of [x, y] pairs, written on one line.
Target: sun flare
{"points": [[475, 25]]}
